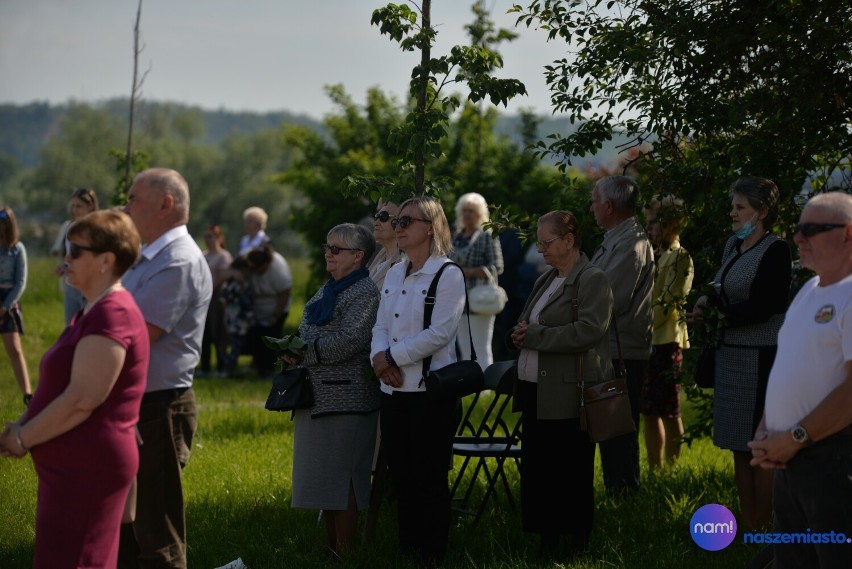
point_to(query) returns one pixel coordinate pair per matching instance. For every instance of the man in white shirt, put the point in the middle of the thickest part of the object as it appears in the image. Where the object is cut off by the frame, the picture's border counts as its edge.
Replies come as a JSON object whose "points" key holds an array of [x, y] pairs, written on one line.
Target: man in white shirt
{"points": [[172, 286], [806, 431]]}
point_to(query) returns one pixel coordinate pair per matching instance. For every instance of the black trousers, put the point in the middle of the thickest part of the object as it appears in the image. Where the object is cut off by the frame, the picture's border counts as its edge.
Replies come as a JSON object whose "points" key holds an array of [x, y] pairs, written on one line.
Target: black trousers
{"points": [[813, 495], [417, 436], [620, 455], [557, 473], [264, 358]]}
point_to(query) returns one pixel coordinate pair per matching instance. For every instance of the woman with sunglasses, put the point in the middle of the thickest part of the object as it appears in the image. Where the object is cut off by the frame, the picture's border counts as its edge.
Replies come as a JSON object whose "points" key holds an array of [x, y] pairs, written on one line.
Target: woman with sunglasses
{"points": [[333, 441], [481, 258], [555, 336], [13, 281], [417, 432], [385, 235], [80, 425], [83, 201], [752, 291]]}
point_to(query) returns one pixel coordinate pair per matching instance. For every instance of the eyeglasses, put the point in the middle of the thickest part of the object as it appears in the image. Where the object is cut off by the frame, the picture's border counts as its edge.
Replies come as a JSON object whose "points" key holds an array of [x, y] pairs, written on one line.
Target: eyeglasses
{"points": [[382, 216], [3, 214], [406, 220], [74, 250], [810, 229], [543, 245], [335, 250]]}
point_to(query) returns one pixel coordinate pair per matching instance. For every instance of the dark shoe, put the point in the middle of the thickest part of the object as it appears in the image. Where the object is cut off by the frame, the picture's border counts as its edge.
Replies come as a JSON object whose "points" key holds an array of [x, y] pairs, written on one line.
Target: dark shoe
{"points": [[27, 398]]}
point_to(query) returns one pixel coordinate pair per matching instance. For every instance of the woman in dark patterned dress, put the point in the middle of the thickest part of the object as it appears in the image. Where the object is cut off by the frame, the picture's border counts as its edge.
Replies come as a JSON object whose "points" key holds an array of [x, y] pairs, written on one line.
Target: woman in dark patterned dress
{"points": [[752, 290]]}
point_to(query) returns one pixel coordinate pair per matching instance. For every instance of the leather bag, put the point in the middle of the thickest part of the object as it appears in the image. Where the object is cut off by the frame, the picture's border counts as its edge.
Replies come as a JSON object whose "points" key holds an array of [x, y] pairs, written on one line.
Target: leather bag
{"points": [[457, 379], [605, 410], [604, 407], [291, 390]]}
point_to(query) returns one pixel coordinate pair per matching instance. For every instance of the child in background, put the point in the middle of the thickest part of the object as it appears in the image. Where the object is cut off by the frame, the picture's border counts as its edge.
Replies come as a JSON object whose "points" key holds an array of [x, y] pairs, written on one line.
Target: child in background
{"points": [[239, 314]]}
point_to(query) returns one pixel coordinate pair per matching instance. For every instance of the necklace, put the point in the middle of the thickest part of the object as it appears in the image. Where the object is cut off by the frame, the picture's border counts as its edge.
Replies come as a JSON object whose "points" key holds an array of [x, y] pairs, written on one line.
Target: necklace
{"points": [[104, 292]]}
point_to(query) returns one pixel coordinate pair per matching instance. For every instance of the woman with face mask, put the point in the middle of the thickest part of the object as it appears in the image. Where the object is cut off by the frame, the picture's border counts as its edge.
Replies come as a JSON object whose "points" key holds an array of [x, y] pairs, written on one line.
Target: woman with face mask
{"points": [[752, 290]]}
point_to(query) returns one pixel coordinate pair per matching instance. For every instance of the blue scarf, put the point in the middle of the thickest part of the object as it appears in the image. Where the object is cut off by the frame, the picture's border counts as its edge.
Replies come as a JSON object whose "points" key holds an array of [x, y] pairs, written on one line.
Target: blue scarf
{"points": [[320, 311]]}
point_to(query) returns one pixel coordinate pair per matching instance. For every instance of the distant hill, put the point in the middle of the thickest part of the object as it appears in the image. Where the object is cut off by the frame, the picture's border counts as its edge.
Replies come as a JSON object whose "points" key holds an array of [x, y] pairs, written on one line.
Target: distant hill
{"points": [[25, 128]]}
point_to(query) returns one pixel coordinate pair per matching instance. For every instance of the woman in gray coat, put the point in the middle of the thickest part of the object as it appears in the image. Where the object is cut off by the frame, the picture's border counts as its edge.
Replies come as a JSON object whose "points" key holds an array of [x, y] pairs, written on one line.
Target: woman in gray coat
{"points": [[335, 439], [557, 461]]}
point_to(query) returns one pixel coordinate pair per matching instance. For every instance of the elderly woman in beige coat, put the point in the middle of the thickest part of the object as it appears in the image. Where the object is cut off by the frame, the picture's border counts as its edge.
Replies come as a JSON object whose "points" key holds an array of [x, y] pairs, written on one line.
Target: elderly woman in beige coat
{"points": [[557, 462]]}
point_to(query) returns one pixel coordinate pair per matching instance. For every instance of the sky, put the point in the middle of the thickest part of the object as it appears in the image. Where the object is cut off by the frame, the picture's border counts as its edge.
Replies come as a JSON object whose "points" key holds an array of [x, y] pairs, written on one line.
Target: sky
{"points": [[237, 55]]}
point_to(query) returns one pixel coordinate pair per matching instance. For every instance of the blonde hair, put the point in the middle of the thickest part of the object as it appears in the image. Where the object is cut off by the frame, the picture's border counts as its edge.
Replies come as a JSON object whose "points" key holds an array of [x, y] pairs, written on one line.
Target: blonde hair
{"points": [[430, 208], [670, 213]]}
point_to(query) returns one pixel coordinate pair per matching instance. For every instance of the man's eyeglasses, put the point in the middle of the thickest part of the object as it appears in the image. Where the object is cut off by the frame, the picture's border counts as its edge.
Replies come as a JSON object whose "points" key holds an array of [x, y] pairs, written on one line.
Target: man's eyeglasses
{"points": [[74, 250], [406, 220], [811, 229], [543, 245], [335, 250], [382, 216]]}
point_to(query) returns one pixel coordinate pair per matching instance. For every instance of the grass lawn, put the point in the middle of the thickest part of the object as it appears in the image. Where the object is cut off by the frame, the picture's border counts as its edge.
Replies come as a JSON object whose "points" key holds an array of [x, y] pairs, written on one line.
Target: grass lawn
{"points": [[238, 487]]}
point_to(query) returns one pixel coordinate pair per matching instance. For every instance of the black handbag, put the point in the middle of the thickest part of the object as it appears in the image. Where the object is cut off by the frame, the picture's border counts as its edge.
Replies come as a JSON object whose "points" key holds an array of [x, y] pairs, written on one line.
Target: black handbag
{"points": [[705, 368], [457, 379], [291, 390]]}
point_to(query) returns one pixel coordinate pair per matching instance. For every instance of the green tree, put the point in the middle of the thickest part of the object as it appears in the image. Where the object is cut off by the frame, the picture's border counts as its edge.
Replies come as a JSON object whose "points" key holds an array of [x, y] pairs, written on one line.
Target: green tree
{"points": [[418, 138], [356, 145], [717, 88]]}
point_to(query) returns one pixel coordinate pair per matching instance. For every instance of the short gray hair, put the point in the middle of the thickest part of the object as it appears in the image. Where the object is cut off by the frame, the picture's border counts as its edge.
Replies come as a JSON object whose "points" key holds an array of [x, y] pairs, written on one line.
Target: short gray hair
{"points": [[839, 203], [356, 237], [169, 182], [622, 191], [257, 213], [477, 201]]}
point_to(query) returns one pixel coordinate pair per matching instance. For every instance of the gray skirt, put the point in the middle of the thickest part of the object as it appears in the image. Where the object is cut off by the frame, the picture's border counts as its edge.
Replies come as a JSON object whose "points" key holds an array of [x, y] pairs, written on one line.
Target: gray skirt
{"points": [[329, 453], [741, 377]]}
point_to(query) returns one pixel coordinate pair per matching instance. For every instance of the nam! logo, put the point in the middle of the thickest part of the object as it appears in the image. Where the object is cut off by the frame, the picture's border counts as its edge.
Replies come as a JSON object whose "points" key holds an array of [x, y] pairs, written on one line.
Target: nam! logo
{"points": [[713, 527]]}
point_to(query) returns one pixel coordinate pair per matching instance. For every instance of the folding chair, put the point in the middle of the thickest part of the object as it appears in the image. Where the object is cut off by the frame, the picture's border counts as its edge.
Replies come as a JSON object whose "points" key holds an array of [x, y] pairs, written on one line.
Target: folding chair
{"points": [[495, 439]]}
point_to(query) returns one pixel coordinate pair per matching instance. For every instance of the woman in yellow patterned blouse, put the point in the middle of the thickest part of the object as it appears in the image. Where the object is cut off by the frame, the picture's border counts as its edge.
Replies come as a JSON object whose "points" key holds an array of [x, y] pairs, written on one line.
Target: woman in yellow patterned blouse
{"points": [[660, 400]]}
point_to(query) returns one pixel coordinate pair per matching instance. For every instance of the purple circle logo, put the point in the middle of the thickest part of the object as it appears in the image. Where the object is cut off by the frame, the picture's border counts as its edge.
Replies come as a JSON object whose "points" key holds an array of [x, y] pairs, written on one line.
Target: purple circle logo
{"points": [[713, 527]]}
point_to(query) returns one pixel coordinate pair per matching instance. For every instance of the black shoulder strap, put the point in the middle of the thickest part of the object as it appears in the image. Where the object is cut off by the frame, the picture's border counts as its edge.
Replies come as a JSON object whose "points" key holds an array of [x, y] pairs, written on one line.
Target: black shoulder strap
{"points": [[430, 307]]}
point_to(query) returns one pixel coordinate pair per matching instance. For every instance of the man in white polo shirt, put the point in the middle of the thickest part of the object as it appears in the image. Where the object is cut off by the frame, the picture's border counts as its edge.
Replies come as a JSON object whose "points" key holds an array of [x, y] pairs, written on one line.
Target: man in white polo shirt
{"points": [[806, 431]]}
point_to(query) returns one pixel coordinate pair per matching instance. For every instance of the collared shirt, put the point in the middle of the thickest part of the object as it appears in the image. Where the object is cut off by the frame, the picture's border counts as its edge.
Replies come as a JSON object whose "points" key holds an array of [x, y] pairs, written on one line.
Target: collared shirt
{"points": [[172, 286], [399, 323], [628, 261]]}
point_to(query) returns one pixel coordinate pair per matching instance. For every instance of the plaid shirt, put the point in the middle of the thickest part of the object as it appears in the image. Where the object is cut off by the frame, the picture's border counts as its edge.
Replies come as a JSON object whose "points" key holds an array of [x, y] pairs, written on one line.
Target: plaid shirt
{"points": [[478, 250]]}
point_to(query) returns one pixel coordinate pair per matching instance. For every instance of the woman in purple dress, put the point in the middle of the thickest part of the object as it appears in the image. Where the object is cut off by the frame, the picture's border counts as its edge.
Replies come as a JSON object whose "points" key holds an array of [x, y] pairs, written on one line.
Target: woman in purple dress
{"points": [[79, 426]]}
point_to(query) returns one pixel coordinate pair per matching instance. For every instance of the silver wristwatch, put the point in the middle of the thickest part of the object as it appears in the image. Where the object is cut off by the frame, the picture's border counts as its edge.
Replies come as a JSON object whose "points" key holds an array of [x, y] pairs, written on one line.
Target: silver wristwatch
{"points": [[800, 434]]}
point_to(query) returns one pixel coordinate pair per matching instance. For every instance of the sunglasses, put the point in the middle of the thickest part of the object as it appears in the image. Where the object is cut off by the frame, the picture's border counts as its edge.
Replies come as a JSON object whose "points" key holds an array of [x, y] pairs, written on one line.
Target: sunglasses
{"points": [[382, 216], [406, 220], [3, 214], [74, 250], [811, 229], [335, 250]]}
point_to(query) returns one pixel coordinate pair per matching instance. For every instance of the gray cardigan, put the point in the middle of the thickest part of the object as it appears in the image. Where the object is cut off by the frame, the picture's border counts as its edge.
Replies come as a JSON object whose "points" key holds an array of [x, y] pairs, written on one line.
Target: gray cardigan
{"points": [[338, 356], [560, 340]]}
